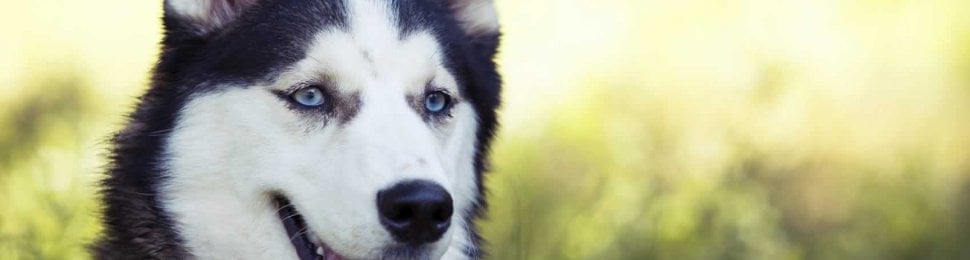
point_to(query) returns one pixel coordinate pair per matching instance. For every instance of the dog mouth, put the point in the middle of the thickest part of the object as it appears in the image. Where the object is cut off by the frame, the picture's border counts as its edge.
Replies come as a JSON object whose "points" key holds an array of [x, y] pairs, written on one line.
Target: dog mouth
{"points": [[306, 243]]}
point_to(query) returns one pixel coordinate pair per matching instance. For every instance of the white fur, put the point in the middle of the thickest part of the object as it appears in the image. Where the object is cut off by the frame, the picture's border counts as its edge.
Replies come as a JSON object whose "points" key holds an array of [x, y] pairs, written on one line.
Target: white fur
{"points": [[196, 9], [230, 149]]}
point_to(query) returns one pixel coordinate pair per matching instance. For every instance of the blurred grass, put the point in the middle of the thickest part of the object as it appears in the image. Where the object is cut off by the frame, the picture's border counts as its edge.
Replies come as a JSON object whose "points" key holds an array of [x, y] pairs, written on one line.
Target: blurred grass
{"points": [[632, 129]]}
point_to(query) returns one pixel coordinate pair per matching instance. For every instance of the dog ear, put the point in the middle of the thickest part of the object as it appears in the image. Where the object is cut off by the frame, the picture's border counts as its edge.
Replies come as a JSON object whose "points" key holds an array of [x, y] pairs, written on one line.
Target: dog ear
{"points": [[477, 17], [205, 16], [480, 22]]}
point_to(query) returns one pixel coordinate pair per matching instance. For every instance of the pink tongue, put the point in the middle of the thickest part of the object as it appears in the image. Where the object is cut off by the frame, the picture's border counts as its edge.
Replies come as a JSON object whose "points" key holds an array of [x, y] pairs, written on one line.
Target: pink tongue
{"points": [[331, 256]]}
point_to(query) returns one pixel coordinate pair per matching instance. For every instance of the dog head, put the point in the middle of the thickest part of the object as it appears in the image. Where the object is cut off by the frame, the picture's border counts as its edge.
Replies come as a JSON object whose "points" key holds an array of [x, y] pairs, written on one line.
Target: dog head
{"points": [[327, 129]]}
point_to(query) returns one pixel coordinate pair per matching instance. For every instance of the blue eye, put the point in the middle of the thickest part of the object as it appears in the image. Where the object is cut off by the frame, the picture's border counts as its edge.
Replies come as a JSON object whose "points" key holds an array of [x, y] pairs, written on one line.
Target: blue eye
{"points": [[436, 102], [311, 97]]}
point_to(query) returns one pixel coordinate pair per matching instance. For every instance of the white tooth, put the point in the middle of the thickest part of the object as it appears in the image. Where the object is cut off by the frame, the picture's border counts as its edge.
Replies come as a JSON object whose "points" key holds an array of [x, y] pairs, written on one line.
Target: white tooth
{"points": [[320, 251]]}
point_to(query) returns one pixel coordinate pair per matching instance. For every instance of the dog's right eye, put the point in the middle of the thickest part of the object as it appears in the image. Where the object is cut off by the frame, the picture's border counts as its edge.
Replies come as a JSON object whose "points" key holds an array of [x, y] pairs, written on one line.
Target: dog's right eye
{"points": [[308, 96]]}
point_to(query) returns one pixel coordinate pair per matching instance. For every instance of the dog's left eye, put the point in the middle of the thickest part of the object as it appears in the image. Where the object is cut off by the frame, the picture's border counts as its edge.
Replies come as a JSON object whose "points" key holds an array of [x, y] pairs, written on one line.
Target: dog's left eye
{"points": [[309, 96], [437, 102]]}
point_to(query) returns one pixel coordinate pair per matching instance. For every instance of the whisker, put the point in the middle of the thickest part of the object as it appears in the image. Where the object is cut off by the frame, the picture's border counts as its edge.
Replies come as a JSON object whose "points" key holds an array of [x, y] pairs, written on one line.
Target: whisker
{"points": [[291, 216], [283, 207], [300, 233]]}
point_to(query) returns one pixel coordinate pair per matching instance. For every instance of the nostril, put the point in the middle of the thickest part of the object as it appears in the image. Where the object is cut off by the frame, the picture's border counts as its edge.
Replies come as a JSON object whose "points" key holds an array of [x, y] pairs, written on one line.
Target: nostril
{"points": [[442, 213], [415, 212], [400, 212]]}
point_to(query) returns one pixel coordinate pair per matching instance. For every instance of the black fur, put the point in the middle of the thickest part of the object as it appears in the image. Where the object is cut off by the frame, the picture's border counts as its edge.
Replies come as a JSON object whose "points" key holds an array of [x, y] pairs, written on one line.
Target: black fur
{"points": [[254, 48]]}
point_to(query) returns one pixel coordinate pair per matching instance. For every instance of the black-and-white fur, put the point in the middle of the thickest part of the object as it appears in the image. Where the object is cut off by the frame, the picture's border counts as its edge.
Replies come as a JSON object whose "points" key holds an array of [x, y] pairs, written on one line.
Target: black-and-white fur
{"points": [[221, 153]]}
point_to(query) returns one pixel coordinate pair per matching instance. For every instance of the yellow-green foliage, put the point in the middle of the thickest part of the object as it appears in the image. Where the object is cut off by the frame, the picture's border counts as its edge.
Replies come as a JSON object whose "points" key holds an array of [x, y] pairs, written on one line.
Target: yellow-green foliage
{"points": [[631, 129]]}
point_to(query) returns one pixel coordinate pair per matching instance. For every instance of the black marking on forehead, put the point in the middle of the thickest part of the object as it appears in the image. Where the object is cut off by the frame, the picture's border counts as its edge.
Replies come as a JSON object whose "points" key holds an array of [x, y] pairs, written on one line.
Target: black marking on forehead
{"points": [[370, 62], [254, 48], [416, 15], [367, 56]]}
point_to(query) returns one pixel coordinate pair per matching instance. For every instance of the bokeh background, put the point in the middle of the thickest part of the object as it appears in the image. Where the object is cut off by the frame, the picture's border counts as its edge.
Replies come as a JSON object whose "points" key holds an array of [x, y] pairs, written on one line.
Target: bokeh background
{"points": [[701, 129]]}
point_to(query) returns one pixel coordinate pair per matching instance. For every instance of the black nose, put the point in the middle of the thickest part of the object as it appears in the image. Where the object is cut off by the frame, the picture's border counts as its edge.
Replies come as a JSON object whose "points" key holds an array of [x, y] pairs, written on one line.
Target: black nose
{"points": [[415, 212]]}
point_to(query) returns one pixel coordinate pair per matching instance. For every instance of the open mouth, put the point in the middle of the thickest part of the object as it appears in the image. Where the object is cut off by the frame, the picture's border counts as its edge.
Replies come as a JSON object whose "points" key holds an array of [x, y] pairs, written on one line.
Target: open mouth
{"points": [[308, 246]]}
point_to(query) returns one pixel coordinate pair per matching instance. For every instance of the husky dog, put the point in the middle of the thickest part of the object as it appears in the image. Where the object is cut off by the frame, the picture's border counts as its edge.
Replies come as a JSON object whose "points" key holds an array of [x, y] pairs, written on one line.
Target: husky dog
{"points": [[308, 129]]}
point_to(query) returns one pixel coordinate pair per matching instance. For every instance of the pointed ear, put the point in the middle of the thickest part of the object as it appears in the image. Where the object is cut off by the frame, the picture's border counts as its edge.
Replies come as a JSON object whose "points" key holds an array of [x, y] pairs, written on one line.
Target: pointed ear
{"points": [[480, 22], [477, 17], [205, 16]]}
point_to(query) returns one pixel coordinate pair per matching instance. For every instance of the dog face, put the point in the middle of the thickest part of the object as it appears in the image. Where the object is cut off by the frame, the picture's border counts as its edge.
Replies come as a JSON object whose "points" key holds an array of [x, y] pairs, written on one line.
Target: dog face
{"points": [[328, 129]]}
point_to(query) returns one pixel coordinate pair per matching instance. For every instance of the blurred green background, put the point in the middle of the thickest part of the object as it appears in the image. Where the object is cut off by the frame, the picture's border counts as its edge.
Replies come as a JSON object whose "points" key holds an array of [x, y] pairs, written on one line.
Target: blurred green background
{"points": [[702, 129]]}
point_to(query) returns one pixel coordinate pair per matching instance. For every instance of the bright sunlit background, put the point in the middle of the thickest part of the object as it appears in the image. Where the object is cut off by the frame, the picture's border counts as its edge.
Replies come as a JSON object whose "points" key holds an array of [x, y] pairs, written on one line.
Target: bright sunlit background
{"points": [[702, 129]]}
